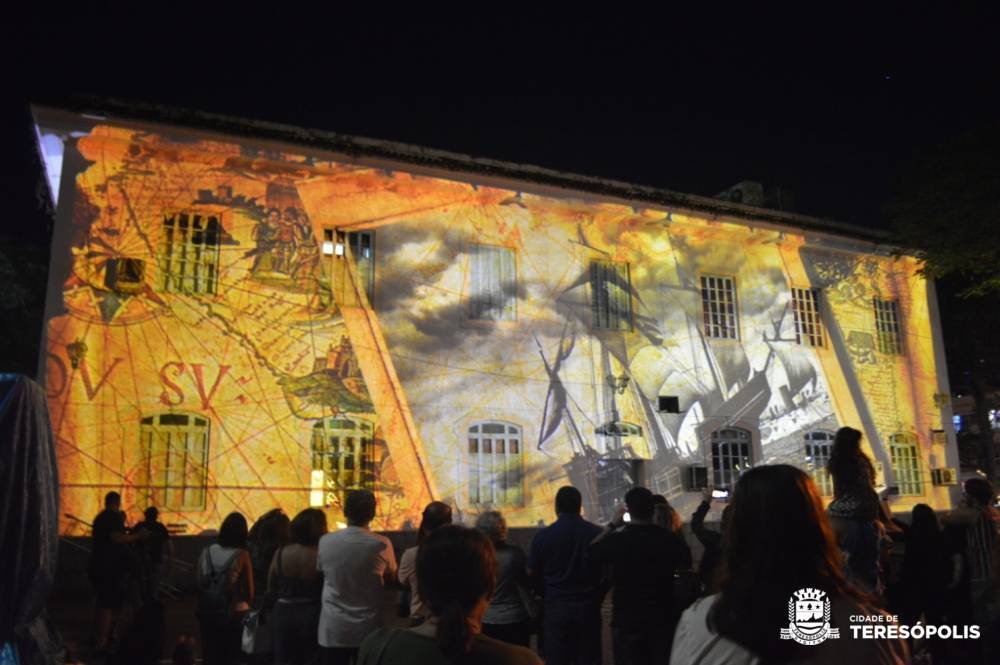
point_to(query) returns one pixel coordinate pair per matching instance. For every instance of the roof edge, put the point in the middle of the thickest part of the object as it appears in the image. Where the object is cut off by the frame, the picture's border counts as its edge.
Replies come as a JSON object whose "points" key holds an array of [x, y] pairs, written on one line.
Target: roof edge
{"points": [[454, 162]]}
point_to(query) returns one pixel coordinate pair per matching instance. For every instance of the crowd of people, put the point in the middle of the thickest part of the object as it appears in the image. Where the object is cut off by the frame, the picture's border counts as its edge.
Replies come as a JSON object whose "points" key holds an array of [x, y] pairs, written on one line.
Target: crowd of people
{"points": [[289, 591]]}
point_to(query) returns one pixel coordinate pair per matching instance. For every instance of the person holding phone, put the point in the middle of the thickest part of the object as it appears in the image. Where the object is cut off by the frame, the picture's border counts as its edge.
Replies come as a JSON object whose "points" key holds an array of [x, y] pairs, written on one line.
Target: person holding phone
{"points": [[644, 557], [709, 568]]}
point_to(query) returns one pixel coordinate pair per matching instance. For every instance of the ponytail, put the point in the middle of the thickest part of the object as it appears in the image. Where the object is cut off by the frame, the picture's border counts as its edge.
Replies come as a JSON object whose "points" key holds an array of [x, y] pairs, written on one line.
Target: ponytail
{"points": [[456, 571], [453, 632]]}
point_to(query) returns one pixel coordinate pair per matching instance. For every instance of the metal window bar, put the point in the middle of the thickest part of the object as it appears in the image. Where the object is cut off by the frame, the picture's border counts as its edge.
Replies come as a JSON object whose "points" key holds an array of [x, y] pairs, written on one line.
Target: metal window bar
{"points": [[344, 451], [611, 298], [819, 445], [808, 326], [906, 465], [730, 456], [189, 254], [718, 301], [176, 465], [890, 339], [493, 284]]}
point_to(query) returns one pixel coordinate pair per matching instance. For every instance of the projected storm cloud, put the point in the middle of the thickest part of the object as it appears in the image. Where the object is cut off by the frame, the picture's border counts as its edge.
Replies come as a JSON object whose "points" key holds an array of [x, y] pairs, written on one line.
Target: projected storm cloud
{"points": [[232, 326]]}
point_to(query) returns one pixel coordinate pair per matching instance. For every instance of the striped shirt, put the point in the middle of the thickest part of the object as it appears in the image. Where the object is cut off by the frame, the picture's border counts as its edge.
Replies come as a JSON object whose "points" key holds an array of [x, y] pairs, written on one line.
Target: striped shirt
{"points": [[981, 539]]}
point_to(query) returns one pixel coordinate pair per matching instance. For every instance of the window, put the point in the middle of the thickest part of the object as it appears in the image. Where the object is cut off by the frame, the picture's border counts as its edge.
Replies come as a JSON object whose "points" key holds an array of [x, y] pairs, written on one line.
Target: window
{"points": [[905, 457], [819, 444], [493, 284], [343, 458], [125, 275], [495, 476], [189, 254], [890, 340], [730, 455], [718, 307], [362, 244], [808, 327], [611, 295], [175, 464], [669, 483]]}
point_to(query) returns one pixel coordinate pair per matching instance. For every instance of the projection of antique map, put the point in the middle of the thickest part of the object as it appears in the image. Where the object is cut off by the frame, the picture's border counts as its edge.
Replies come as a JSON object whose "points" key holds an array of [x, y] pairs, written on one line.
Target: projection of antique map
{"points": [[237, 327]]}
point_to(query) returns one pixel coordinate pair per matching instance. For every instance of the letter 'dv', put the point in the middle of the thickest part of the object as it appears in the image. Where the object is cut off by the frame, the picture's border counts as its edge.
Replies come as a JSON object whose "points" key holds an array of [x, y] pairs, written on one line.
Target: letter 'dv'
{"points": [[88, 385]]}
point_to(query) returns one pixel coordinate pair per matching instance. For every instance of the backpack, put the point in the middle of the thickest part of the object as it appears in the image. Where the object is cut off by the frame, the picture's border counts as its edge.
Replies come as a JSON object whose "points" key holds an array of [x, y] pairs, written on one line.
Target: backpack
{"points": [[216, 595]]}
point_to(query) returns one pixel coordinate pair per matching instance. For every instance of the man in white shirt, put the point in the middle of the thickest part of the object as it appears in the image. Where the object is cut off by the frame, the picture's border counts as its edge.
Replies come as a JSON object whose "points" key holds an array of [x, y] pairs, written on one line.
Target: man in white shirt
{"points": [[356, 565]]}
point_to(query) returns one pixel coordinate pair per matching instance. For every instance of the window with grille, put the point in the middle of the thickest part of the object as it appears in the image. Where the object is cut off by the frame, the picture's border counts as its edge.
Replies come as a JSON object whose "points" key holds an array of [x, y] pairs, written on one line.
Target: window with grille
{"points": [[819, 445], [493, 284], [890, 340], [189, 254], [905, 456], [730, 455], [175, 464], [343, 458], [808, 327], [495, 471], [718, 307], [611, 295]]}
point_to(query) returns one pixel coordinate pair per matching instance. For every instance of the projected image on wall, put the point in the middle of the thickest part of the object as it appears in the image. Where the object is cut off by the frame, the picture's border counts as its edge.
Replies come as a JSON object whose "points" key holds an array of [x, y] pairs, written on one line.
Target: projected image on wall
{"points": [[235, 327]]}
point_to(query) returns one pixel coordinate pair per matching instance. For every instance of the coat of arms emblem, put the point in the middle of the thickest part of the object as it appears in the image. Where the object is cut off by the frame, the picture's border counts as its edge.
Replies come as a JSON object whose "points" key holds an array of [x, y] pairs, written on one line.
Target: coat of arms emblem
{"points": [[809, 618]]}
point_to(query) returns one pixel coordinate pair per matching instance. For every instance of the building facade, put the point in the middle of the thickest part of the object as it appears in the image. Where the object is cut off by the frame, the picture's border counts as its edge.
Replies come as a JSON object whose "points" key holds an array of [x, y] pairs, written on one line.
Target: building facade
{"points": [[241, 323]]}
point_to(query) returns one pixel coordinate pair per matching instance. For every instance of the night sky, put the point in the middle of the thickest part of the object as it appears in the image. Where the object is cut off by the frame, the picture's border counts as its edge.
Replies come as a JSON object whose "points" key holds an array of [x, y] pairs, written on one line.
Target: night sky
{"points": [[830, 108]]}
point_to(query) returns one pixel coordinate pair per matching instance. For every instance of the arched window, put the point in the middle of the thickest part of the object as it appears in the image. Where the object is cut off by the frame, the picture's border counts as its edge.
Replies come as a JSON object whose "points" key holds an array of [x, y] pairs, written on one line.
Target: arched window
{"points": [[905, 455], [495, 475], [175, 449], [819, 445], [343, 458], [731, 455]]}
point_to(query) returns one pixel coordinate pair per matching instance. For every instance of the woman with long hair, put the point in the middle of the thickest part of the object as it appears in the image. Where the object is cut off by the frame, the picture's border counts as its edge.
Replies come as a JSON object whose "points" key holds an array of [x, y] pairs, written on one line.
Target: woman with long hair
{"points": [[436, 514], [226, 585], [855, 509], [853, 477], [666, 515], [297, 587], [270, 532], [777, 542], [927, 571], [457, 569]]}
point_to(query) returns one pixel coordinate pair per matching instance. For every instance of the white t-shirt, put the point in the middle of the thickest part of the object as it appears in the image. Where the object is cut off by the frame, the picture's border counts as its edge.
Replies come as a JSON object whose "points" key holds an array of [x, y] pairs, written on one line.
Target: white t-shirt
{"points": [[408, 576], [355, 563], [696, 644]]}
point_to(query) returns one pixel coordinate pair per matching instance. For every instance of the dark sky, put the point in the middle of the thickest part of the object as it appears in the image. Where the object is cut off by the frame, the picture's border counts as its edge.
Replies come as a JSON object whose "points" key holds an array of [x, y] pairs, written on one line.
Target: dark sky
{"points": [[829, 107]]}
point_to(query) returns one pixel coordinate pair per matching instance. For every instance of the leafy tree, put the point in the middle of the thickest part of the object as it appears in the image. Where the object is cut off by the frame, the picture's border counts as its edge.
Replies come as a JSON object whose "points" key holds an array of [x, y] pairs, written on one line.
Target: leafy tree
{"points": [[946, 207], [23, 271]]}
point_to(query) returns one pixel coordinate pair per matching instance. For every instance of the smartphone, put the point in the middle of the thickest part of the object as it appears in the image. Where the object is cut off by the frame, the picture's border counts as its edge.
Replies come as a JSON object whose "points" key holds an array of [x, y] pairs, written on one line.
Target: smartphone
{"points": [[626, 517], [720, 494]]}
